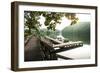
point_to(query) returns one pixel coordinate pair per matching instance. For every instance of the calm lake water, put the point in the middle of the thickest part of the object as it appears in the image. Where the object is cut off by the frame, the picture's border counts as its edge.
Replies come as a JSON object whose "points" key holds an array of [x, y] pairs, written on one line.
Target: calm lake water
{"points": [[83, 52]]}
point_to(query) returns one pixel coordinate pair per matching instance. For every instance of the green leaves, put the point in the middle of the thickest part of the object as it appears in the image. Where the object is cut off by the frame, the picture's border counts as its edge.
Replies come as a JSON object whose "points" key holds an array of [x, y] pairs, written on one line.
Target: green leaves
{"points": [[74, 21], [31, 20], [51, 19]]}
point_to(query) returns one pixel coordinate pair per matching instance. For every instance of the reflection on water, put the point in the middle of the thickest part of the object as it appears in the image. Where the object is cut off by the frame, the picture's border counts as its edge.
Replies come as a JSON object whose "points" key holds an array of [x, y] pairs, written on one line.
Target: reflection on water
{"points": [[79, 32], [83, 52]]}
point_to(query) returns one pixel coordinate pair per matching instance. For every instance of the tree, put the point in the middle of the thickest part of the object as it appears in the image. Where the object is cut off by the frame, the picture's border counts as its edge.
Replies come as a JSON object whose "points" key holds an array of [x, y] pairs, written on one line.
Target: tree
{"points": [[51, 20]]}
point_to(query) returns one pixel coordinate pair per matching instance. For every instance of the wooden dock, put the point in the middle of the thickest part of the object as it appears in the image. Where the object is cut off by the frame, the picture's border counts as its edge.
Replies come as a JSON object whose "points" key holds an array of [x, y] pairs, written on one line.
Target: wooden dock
{"points": [[43, 48]]}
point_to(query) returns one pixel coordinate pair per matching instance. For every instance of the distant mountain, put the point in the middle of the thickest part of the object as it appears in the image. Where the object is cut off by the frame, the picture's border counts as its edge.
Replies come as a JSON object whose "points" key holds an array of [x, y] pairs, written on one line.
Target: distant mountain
{"points": [[78, 32]]}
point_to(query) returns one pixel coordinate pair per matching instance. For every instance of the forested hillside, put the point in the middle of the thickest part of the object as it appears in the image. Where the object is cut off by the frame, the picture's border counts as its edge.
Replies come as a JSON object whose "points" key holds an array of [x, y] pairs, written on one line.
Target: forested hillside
{"points": [[78, 32]]}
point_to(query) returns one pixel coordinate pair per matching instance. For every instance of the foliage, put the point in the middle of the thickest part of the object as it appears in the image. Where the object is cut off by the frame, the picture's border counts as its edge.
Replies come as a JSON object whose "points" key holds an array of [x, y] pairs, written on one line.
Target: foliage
{"points": [[50, 33], [51, 20]]}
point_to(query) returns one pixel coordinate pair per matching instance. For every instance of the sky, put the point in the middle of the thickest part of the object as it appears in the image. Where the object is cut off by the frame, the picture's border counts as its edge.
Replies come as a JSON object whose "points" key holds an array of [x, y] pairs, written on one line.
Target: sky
{"points": [[65, 22]]}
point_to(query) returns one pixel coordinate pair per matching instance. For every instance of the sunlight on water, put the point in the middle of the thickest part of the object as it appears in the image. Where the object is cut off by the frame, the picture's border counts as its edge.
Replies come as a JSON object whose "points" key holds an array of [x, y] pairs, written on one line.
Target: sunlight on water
{"points": [[78, 53]]}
